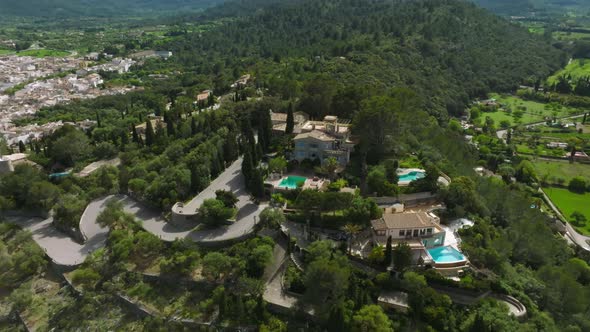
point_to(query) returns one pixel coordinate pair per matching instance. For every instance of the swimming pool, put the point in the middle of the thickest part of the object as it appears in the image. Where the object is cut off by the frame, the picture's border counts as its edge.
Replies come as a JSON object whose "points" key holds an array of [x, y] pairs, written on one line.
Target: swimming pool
{"points": [[58, 175], [411, 176], [446, 254], [291, 182]]}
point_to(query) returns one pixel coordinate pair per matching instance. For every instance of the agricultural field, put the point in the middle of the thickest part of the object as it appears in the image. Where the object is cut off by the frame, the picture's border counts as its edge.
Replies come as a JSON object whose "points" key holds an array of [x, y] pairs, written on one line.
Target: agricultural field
{"points": [[560, 172], [568, 202], [519, 111], [44, 53], [562, 35], [576, 68], [539, 150]]}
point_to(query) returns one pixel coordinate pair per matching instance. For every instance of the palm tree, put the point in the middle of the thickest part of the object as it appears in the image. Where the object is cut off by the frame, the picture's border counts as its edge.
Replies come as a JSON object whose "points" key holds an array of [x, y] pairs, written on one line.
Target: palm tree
{"points": [[351, 230]]}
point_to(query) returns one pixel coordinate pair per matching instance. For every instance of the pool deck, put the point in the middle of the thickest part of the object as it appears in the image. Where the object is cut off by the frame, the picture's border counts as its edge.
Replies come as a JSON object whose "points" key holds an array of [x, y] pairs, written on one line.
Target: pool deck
{"points": [[308, 184]]}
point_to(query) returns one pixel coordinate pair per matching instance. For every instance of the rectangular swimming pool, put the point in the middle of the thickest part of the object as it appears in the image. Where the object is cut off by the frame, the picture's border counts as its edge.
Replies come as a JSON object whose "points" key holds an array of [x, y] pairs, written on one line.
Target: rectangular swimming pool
{"points": [[446, 254], [291, 181]]}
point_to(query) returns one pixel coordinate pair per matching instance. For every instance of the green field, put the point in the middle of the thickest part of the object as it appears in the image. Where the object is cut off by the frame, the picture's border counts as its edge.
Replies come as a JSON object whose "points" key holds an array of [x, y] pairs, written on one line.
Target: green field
{"points": [[568, 202], [555, 170], [577, 68], [43, 53], [2, 52], [530, 111], [539, 150], [560, 35]]}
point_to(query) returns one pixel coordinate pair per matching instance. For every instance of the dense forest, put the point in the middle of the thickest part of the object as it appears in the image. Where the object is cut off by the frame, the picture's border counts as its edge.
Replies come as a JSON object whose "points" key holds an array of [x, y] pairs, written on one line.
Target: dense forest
{"points": [[447, 51], [95, 8]]}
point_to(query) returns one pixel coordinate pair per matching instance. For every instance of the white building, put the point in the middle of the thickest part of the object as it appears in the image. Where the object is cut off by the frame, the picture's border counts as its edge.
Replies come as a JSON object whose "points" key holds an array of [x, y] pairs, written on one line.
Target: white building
{"points": [[325, 139]]}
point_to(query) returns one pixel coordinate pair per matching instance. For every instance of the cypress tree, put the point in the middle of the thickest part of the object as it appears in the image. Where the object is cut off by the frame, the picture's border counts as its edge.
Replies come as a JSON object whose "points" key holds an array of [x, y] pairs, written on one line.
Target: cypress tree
{"points": [[21, 147], [336, 320], [194, 128], [124, 139], [135, 136], [290, 120], [388, 248], [247, 165], [149, 133], [259, 153], [257, 183], [230, 149], [98, 124]]}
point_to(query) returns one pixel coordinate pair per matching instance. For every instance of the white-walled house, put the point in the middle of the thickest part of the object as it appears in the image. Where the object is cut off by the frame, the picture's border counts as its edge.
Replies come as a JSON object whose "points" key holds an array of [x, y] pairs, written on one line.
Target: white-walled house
{"points": [[324, 139], [419, 229]]}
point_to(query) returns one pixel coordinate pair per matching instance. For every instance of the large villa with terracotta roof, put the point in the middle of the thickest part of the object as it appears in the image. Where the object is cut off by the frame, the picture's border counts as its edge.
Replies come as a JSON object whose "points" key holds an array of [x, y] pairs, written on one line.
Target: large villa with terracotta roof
{"points": [[325, 139]]}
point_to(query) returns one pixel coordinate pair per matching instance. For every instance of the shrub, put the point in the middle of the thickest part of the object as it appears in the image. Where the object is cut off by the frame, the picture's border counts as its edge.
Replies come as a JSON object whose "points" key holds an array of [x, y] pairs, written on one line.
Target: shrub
{"points": [[577, 185]]}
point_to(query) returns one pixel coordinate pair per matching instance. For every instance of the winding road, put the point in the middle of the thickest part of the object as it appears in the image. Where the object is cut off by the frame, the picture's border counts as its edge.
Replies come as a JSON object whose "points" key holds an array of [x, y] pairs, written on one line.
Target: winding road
{"points": [[63, 250]]}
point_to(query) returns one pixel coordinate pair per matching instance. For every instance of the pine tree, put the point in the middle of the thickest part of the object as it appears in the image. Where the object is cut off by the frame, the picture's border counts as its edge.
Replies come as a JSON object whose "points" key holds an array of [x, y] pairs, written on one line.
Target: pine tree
{"points": [[149, 133], [290, 120]]}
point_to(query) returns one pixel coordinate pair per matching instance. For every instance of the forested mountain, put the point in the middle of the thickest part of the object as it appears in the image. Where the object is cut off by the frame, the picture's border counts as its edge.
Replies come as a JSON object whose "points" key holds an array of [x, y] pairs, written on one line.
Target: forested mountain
{"points": [[525, 7], [98, 8], [448, 51]]}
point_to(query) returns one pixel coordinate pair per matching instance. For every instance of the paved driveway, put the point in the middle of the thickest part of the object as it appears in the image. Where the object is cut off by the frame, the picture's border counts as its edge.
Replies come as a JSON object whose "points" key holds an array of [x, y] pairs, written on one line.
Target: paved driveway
{"points": [[58, 246], [63, 250]]}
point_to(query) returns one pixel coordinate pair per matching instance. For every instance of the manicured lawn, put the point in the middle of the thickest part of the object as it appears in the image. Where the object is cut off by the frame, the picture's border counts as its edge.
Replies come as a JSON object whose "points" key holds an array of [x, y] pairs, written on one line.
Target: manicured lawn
{"points": [[577, 68], [568, 202], [532, 111], [561, 170], [44, 53]]}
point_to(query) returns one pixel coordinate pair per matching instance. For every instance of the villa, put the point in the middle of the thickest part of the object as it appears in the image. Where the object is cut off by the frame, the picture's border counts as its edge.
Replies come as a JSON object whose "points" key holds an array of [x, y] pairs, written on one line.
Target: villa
{"points": [[325, 139], [425, 236], [203, 96], [420, 230]]}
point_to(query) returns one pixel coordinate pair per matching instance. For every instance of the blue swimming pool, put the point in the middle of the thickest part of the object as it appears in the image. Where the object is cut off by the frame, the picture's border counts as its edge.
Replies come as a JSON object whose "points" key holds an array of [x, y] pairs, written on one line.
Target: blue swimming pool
{"points": [[446, 254], [411, 176], [291, 182], [58, 175]]}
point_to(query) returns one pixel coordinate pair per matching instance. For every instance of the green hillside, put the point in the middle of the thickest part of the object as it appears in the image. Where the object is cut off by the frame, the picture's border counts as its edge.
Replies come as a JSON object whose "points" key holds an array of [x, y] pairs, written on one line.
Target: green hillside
{"points": [[447, 51], [105, 8]]}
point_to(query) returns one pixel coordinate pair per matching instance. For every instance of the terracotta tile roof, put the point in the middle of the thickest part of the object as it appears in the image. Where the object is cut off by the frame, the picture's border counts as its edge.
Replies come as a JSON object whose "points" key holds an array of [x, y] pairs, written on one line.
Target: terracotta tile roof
{"points": [[403, 221]]}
